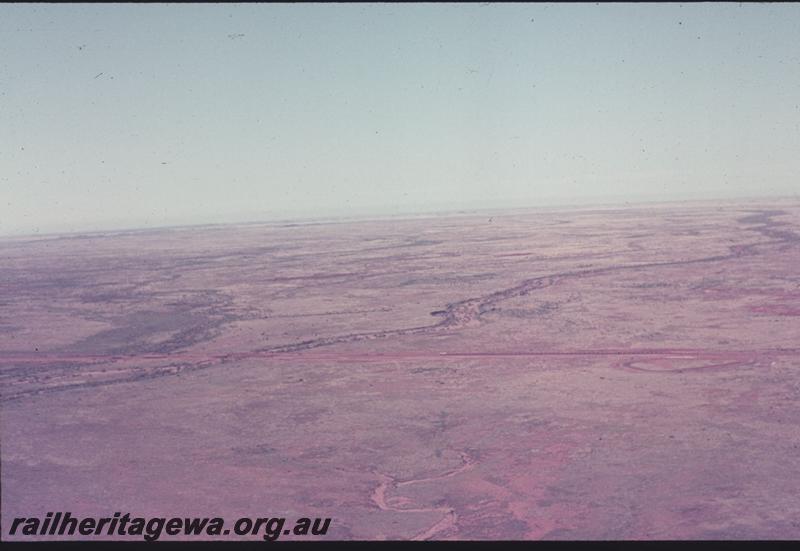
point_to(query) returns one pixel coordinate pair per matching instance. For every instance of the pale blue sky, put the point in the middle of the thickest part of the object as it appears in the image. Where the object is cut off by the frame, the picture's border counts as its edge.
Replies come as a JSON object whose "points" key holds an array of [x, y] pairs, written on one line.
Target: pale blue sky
{"points": [[146, 115]]}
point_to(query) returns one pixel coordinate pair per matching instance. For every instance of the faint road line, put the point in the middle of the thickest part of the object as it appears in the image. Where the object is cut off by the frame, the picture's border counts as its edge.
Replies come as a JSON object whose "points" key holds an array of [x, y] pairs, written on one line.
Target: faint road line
{"points": [[676, 353]]}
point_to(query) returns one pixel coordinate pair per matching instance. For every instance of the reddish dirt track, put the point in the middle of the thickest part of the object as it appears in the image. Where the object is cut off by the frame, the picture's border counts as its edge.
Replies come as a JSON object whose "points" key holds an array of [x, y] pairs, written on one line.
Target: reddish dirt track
{"points": [[597, 374]]}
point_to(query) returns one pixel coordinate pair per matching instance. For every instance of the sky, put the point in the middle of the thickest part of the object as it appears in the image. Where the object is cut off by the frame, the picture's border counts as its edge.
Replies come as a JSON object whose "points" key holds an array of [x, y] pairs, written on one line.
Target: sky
{"points": [[144, 115]]}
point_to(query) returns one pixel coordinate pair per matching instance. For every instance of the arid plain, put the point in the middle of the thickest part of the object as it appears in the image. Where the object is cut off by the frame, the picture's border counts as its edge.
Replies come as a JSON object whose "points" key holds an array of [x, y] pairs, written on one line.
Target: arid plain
{"points": [[594, 373]]}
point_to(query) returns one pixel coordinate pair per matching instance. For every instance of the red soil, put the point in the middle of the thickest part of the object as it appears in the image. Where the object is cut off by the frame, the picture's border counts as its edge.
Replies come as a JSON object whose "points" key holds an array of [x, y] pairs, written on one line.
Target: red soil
{"points": [[587, 374]]}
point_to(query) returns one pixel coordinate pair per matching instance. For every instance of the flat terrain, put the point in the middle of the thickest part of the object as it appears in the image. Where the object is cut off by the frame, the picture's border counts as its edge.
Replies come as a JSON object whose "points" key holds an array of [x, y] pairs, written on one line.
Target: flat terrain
{"points": [[590, 373]]}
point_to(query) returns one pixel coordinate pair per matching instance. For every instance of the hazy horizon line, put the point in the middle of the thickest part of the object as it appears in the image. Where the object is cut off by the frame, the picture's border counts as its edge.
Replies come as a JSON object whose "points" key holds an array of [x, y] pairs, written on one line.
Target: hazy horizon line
{"points": [[443, 210]]}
